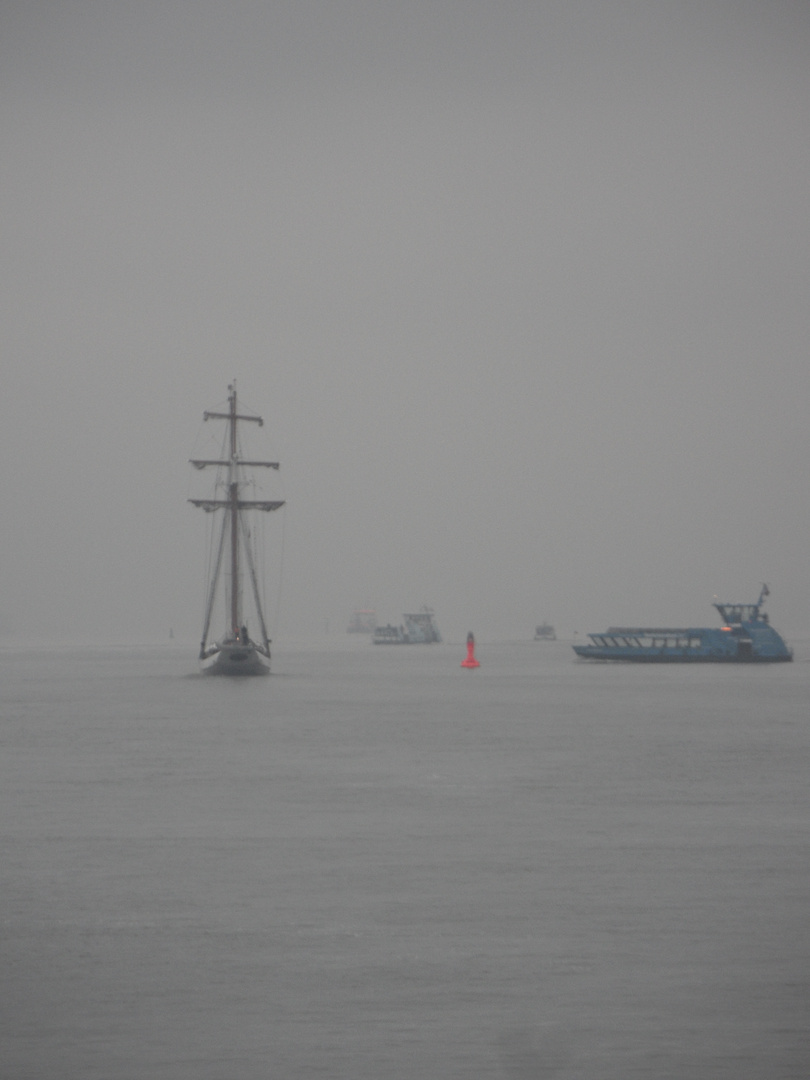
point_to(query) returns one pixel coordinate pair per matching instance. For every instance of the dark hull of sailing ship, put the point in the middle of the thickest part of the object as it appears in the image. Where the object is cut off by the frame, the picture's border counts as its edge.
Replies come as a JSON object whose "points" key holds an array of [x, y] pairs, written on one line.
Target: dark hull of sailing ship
{"points": [[236, 652]]}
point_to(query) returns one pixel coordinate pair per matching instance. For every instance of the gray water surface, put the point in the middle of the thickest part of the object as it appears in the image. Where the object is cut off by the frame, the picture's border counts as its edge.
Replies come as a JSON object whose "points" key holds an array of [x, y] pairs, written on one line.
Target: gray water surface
{"points": [[377, 864]]}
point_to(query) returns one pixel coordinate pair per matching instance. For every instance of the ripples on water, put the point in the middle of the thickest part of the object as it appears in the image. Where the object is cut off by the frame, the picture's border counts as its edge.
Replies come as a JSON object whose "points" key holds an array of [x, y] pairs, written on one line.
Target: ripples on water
{"points": [[377, 864]]}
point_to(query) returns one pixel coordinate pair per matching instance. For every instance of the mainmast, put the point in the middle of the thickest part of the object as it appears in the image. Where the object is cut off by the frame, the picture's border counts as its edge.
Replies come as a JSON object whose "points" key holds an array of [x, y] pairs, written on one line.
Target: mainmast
{"points": [[233, 511], [232, 505]]}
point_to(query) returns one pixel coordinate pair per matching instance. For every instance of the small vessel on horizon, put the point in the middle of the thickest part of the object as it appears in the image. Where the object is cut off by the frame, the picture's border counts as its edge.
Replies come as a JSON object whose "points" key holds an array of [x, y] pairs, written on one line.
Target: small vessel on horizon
{"points": [[745, 637], [236, 652], [544, 632], [363, 621], [418, 628]]}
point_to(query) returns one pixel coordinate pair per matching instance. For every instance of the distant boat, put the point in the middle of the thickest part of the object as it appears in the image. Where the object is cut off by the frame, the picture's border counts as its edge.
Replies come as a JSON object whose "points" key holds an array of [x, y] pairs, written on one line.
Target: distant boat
{"points": [[418, 628], [745, 637], [363, 621], [236, 652], [544, 632]]}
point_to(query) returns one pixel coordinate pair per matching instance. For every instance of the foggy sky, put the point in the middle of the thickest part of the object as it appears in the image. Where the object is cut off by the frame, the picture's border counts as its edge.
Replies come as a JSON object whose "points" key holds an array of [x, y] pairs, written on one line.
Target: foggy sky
{"points": [[520, 288]]}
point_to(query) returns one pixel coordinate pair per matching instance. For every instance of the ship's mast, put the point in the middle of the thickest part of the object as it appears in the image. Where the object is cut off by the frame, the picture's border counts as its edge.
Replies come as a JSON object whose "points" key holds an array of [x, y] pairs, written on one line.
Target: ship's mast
{"points": [[233, 510], [232, 506]]}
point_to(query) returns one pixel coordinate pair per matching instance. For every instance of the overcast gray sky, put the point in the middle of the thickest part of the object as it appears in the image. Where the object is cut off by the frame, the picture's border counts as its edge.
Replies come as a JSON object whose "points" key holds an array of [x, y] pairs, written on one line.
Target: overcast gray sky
{"points": [[520, 288]]}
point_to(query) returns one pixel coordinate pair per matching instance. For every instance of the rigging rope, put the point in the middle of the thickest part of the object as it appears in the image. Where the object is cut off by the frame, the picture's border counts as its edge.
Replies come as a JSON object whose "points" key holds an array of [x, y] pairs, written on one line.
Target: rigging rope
{"points": [[277, 612]]}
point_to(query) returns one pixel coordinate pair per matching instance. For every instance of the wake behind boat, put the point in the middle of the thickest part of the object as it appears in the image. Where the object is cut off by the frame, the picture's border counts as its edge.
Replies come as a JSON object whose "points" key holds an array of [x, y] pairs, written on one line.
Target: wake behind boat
{"points": [[745, 637], [236, 652]]}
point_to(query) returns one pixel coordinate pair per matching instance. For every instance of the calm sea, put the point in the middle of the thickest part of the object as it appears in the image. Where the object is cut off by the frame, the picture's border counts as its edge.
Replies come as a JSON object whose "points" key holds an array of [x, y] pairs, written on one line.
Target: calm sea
{"points": [[375, 864]]}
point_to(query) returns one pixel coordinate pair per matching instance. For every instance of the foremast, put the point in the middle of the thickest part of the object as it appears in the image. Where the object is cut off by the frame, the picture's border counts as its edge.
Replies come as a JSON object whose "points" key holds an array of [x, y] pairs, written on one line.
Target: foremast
{"points": [[233, 525]]}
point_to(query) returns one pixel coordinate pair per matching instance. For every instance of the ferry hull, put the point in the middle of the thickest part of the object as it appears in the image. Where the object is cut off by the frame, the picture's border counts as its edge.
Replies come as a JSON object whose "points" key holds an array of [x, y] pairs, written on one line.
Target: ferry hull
{"points": [[591, 652]]}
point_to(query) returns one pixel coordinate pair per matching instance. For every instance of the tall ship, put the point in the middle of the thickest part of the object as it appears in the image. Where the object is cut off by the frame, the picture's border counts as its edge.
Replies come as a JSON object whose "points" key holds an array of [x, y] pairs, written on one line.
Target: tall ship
{"points": [[418, 628], [746, 636], [240, 650]]}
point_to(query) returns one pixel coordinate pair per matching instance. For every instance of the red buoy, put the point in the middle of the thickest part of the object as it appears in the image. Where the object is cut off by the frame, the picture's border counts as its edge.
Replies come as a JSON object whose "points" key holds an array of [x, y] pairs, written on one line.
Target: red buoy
{"points": [[470, 661]]}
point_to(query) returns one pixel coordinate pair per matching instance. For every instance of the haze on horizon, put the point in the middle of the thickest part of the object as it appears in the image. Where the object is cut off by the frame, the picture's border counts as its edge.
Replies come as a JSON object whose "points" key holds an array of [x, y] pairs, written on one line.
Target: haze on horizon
{"points": [[520, 290]]}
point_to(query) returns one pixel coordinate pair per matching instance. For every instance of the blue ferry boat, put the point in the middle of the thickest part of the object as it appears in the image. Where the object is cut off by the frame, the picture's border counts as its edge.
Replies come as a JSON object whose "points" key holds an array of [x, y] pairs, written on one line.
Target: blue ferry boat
{"points": [[746, 636]]}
